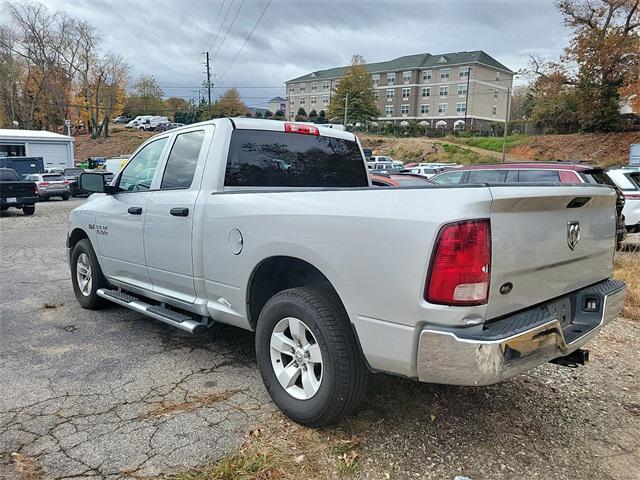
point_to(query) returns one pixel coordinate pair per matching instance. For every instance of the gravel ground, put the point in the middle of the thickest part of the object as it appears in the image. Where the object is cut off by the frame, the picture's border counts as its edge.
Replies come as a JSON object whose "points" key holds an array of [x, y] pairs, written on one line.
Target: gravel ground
{"points": [[114, 394]]}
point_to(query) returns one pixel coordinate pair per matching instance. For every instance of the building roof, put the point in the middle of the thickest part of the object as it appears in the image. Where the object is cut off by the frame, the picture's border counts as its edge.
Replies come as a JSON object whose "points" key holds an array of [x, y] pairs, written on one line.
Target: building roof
{"points": [[420, 60], [15, 134], [276, 99]]}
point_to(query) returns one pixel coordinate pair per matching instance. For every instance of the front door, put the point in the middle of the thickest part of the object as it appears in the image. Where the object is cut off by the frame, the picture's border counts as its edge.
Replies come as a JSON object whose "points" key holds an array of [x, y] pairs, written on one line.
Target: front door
{"points": [[120, 220], [168, 225]]}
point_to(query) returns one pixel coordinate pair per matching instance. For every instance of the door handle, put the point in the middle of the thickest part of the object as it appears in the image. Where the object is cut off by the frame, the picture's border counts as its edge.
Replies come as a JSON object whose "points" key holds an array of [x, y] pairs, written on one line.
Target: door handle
{"points": [[135, 210], [179, 212]]}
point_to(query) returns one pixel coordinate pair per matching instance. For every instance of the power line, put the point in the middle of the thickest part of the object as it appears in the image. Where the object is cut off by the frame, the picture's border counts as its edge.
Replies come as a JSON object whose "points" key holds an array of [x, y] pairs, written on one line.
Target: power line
{"points": [[246, 39], [213, 27], [215, 55], [215, 39]]}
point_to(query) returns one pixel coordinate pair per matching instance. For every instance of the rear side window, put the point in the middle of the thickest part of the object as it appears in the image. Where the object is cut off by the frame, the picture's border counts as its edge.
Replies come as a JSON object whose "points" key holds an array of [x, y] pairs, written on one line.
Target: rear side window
{"points": [[451, 178], [182, 160], [597, 176], [259, 158], [487, 176], [540, 176]]}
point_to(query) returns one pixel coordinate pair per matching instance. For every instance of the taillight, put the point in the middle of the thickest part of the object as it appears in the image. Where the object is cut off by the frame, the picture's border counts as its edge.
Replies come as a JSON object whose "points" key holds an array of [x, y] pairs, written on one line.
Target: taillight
{"points": [[66, 182], [43, 184], [301, 128], [459, 273], [35, 189]]}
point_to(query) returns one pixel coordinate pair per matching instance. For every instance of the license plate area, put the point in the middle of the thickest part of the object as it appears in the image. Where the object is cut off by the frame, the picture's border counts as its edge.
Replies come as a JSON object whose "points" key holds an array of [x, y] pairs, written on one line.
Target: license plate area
{"points": [[12, 199]]}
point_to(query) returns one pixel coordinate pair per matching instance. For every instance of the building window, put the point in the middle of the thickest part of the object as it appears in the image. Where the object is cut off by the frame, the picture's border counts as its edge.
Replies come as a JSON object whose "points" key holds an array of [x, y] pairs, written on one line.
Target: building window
{"points": [[325, 85], [495, 94], [442, 108], [406, 92], [303, 88], [494, 110], [463, 72], [376, 79], [391, 78], [389, 94], [388, 110], [444, 74], [497, 76], [406, 77], [426, 91], [444, 91], [424, 109], [325, 99], [426, 76], [461, 107], [376, 94], [292, 101], [313, 100], [302, 101], [404, 109], [292, 89], [462, 89], [313, 87]]}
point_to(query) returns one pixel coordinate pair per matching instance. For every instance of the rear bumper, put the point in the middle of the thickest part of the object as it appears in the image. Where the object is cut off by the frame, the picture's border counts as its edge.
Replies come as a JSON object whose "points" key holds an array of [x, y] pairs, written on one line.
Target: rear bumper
{"points": [[517, 343], [54, 192], [19, 202]]}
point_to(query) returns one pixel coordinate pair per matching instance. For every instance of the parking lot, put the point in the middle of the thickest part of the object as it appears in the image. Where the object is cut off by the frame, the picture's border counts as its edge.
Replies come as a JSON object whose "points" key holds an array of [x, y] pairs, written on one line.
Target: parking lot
{"points": [[115, 394]]}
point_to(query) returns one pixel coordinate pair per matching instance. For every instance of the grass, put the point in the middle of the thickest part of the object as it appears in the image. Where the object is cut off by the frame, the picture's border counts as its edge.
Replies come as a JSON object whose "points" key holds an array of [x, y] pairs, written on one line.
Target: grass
{"points": [[627, 269], [246, 464], [490, 143], [456, 154]]}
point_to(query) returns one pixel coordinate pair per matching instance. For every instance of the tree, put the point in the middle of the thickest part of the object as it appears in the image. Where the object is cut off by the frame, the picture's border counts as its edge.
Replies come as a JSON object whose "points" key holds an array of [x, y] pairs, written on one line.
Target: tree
{"points": [[268, 114], [357, 83], [313, 115], [146, 98], [302, 115], [229, 105], [605, 50], [175, 104], [279, 115]]}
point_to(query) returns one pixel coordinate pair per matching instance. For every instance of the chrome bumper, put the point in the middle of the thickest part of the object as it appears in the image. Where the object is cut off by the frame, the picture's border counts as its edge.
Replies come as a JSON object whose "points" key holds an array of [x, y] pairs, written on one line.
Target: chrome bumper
{"points": [[528, 339]]}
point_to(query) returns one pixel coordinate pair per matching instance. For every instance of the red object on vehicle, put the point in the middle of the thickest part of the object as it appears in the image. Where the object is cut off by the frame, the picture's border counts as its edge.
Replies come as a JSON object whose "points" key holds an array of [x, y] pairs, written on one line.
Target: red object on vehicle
{"points": [[459, 273], [301, 128], [35, 189], [43, 184]]}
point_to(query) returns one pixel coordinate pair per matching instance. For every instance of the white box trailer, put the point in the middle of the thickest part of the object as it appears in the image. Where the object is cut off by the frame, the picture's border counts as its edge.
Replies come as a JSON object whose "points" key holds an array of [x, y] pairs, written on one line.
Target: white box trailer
{"points": [[56, 150]]}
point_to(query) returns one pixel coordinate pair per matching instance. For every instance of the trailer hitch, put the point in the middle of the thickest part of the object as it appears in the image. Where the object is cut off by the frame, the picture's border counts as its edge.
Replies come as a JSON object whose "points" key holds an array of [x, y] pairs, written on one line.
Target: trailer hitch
{"points": [[573, 360]]}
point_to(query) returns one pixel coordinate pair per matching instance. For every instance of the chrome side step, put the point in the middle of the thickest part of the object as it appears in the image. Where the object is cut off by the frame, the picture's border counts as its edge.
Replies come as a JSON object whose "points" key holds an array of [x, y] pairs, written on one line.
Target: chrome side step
{"points": [[158, 312]]}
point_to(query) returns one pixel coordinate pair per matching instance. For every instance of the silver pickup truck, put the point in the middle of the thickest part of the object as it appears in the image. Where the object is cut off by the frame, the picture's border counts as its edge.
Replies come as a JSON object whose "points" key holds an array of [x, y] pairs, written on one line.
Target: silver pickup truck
{"points": [[274, 227]]}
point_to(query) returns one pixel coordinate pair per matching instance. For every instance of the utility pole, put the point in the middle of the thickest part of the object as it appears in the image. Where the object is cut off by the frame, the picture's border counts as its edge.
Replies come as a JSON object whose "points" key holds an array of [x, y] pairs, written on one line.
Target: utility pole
{"points": [[506, 126], [209, 84], [346, 107], [466, 100]]}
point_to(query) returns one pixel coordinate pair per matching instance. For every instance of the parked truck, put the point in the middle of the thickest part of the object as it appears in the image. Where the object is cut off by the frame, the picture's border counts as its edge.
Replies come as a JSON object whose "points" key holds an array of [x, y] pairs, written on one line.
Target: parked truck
{"points": [[270, 226], [17, 193]]}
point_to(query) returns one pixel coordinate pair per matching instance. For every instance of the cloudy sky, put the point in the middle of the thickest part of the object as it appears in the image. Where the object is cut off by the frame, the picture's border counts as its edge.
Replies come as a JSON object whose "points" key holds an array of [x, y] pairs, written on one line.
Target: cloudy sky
{"points": [[166, 38]]}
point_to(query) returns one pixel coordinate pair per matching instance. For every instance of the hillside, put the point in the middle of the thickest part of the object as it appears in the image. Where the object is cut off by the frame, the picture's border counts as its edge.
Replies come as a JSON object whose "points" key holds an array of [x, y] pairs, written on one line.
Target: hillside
{"points": [[120, 142]]}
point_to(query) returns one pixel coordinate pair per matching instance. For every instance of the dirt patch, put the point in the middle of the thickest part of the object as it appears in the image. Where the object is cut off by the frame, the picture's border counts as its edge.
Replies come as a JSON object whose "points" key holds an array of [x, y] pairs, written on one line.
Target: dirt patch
{"points": [[627, 269], [120, 142], [27, 467], [605, 149], [160, 409]]}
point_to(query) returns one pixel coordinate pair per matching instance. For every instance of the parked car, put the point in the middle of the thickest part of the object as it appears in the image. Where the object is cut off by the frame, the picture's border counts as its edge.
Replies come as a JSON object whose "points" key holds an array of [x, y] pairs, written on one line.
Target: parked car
{"points": [[427, 172], [628, 180], [71, 175], [121, 120], [398, 180], [536, 172], [50, 185], [173, 125], [189, 234], [23, 165], [367, 153], [385, 165], [17, 193], [137, 121], [153, 124]]}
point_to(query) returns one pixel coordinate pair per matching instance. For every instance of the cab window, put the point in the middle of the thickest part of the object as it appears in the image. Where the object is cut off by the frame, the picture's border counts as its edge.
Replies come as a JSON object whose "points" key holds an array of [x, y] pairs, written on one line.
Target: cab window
{"points": [[487, 176], [138, 174], [181, 164], [451, 178]]}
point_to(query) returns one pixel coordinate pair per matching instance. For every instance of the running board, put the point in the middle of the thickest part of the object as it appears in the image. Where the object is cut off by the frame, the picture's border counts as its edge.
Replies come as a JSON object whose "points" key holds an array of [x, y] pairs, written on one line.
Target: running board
{"points": [[158, 312]]}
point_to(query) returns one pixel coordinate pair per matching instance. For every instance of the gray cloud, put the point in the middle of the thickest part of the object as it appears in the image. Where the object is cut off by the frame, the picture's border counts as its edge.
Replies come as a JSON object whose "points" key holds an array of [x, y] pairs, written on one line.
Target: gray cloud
{"points": [[167, 38]]}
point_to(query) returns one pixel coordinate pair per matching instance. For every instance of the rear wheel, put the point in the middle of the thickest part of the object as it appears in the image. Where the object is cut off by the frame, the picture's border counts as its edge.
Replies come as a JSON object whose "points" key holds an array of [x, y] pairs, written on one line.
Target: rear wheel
{"points": [[86, 276], [65, 196], [29, 209], [308, 356]]}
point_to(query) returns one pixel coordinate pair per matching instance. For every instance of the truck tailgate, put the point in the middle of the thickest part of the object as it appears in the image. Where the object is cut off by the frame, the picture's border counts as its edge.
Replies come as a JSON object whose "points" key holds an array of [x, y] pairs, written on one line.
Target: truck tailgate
{"points": [[16, 189], [548, 241]]}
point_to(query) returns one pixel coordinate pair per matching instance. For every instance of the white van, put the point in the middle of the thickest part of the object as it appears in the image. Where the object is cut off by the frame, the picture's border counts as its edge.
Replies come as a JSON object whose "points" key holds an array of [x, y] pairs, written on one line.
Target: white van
{"points": [[153, 123], [137, 121]]}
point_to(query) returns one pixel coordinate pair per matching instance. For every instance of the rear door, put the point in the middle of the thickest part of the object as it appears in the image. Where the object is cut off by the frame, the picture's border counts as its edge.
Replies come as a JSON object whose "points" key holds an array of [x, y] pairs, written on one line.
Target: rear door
{"points": [[548, 241], [168, 225]]}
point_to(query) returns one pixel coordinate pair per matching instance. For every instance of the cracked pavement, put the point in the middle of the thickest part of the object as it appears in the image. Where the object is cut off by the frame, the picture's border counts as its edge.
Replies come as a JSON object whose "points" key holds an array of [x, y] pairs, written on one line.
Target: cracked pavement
{"points": [[113, 394], [108, 393]]}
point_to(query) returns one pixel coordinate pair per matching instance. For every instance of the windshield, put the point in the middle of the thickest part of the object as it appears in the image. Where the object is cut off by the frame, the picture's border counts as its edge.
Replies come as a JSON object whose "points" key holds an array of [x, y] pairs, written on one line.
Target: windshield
{"points": [[8, 175], [72, 171]]}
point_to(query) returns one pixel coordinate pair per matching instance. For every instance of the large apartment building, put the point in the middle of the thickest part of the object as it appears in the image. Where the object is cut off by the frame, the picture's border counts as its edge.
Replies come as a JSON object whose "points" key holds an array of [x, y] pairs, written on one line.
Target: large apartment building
{"points": [[451, 90]]}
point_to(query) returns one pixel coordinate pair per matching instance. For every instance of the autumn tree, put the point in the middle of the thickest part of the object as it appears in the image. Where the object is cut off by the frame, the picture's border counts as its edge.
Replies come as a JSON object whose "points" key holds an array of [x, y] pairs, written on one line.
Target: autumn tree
{"points": [[357, 83], [229, 104], [602, 57], [146, 97]]}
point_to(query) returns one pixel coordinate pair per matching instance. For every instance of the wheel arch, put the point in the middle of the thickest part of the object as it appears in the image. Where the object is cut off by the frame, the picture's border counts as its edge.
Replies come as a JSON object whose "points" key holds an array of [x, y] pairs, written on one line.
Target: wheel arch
{"points": [[75, 236], [277, 273]]}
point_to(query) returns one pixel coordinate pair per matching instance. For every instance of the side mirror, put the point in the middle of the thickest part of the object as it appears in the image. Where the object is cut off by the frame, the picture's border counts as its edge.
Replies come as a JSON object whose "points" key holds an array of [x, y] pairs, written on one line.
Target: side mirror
{"points": [[93, 183]]}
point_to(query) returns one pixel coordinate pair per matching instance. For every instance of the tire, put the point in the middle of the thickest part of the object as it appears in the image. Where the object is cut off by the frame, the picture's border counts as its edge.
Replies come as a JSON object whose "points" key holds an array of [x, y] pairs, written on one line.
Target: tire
{"points": [[87, 297], [65, 196], [29, 209], [340, 381]]}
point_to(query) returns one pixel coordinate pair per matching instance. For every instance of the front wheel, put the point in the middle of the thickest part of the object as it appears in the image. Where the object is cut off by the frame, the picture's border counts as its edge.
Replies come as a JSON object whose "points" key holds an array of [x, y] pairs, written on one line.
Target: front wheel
{"points": [[86, 276], [309, 357]]}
